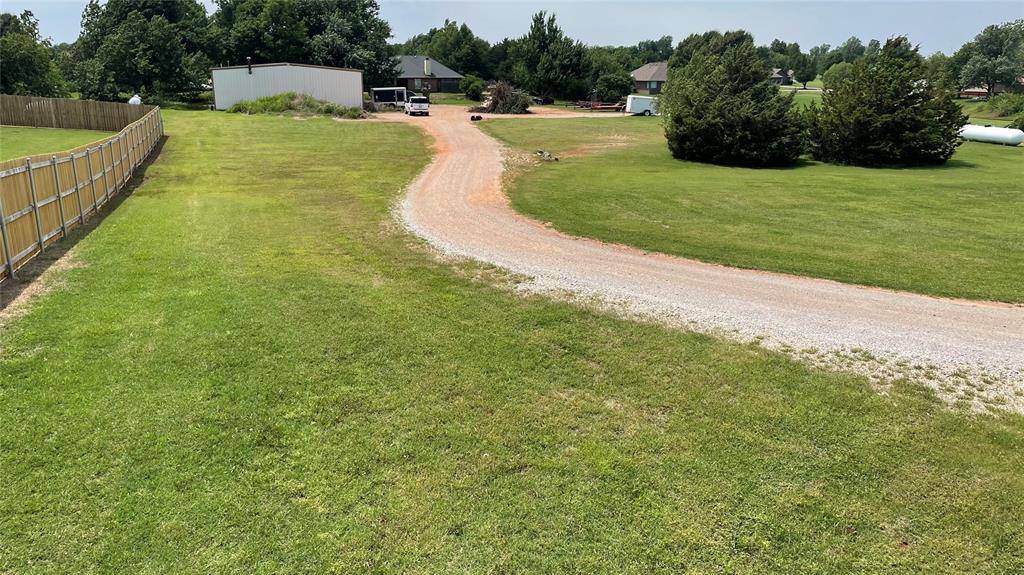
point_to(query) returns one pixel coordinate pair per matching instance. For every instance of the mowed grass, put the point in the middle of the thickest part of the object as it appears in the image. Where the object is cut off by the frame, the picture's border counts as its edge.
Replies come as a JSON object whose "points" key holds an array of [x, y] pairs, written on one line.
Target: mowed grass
{"points": [[953, 230], [252, 369], [804, 98], [17, 141]]}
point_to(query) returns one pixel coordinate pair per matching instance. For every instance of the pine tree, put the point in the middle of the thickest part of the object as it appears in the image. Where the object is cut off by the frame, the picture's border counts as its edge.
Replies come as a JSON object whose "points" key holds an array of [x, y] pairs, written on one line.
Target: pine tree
{"points": [[886, 113], [720, 107]]}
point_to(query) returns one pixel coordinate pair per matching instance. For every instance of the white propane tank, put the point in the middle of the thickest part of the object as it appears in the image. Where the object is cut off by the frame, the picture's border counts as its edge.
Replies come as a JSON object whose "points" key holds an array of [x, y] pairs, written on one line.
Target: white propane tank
{"points": [[135, 100], [992, 135]]}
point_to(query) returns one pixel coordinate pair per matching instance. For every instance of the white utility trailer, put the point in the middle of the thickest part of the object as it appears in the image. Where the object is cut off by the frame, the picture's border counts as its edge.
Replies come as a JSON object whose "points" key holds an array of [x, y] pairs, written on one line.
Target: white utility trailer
{"points": [[641, 105], [394, 97]]}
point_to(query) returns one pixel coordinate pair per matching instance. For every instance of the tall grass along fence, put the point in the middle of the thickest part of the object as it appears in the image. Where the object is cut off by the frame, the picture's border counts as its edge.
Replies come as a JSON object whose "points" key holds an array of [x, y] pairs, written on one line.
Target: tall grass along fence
{"points": [[44, 196]]}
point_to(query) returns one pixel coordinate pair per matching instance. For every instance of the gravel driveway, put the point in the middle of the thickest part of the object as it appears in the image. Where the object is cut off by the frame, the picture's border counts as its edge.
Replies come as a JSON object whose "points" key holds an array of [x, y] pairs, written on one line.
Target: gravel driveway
{"points": [[964, 350]]}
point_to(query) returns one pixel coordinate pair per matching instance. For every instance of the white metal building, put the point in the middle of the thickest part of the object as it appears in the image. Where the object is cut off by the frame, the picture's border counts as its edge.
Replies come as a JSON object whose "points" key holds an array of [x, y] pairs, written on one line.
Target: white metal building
{"points": [[232, 84]]}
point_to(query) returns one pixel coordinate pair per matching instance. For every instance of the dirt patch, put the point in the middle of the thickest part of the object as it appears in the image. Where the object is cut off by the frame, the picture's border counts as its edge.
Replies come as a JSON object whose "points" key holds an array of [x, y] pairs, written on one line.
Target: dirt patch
{"points": [[17, 296]]}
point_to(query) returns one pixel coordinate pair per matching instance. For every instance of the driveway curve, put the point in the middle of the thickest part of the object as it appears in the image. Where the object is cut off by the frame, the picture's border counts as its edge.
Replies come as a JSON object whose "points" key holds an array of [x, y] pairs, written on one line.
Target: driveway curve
{"points": [[458, 206]]}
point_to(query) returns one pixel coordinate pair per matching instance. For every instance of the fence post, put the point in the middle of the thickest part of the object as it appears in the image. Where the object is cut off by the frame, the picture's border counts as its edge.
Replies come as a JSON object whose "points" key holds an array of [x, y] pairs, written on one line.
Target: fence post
{"points": [[8, 262], [78, 189], [35, 203], [60, 198], [92, 177], [103, 166], [129, 135], [120, 159]]}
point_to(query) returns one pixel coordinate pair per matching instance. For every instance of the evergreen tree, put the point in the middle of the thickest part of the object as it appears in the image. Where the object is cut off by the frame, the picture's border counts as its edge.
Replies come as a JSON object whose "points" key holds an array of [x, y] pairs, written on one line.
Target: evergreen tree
{"points": [[886, 114], [722, 108]]}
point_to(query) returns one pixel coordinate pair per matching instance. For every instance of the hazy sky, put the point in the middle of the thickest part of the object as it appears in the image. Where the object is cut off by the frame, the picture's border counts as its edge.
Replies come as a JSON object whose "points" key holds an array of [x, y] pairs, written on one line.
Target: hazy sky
{"points": [[935, 26]]}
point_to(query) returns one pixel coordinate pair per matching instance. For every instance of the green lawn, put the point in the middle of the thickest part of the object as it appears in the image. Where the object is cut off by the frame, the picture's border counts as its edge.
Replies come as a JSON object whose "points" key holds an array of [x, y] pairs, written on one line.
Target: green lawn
{"points": [[17, 141], [252, 369], [980, 114], [805, 97], [949, 231], [452, 99]]}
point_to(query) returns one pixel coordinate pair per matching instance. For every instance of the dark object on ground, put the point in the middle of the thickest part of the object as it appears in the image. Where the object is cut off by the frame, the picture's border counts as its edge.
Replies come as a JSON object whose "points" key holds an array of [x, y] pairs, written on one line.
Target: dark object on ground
{"points": [[543, 100], [547, 156], [476, 118]]}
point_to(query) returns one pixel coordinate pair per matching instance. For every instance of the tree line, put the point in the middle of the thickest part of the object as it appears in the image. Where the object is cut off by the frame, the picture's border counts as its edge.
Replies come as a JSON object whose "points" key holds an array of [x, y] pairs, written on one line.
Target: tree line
{"points": [[163, 49]]}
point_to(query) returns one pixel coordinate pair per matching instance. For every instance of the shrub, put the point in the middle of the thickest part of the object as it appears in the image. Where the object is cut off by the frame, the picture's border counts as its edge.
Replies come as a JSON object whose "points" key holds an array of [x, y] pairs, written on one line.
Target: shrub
{"points": [[886, 114], [722, 108], [505, 100], [837, 74], [613, 87], [1017, 122], [1006, 104], [290, 102], [473, 87]]}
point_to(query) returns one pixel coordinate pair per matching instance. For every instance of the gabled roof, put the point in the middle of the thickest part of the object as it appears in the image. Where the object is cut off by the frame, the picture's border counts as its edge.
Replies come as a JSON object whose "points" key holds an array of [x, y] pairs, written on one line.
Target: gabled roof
{"points": [[653, 72], [412, 67], [778, 73]]}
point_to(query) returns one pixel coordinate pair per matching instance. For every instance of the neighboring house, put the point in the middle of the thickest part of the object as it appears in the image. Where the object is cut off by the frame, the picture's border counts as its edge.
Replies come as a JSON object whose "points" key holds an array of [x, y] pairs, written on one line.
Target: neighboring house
{"points": [[979, 92], [232, 84], [650, 78], [421, 74], [782, 77]]}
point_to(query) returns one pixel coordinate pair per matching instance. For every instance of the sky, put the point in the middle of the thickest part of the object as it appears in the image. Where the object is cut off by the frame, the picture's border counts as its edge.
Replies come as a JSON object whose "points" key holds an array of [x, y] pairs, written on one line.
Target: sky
{"points": [[936, 26]]}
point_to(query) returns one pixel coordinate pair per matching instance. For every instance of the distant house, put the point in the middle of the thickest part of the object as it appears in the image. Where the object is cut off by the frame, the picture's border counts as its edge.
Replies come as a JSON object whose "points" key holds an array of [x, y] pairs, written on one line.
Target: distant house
{"points": [[650, 78], [782, 77], [979, 92], [422, 74]]}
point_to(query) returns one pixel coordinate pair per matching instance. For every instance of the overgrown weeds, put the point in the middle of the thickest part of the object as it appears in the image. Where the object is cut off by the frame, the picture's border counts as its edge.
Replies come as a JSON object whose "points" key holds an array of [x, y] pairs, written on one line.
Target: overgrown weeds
{"points": [[296, 104]]}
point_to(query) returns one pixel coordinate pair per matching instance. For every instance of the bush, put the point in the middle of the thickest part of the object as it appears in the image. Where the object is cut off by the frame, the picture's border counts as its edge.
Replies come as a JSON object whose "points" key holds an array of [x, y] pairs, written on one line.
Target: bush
{"points": [[1006, 104], [722, 108], [613, 87], [505, 100], [886, 114], [473, 87], [837, 74], [1017, 122], [290, 102]]}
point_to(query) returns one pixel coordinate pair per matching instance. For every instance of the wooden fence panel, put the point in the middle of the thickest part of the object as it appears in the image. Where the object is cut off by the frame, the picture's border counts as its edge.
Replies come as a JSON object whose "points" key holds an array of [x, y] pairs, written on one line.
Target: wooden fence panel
{"points": [[42, 197], [66, 113]]}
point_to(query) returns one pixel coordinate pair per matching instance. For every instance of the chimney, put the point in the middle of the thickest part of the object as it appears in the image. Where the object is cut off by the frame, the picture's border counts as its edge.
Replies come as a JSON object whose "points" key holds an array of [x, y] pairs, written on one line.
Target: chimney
{"points": [[426, 67]]}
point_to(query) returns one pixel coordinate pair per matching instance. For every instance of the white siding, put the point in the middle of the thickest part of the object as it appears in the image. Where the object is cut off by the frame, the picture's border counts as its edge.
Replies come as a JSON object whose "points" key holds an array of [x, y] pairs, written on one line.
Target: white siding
{"points": [[232, 85]]}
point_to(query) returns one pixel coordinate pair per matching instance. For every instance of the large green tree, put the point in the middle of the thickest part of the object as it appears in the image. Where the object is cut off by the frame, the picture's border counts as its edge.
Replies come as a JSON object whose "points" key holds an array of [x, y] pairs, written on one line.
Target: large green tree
{"points": [[343, 33], [27, 66], [547, 62], [453, 45], [158, 48], [886, 113], [996, 56], [722, 108]]}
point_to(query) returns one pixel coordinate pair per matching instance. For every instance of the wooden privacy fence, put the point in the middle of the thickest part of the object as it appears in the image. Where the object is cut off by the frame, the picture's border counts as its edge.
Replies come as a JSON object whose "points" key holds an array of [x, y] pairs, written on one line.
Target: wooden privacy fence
{"points": [[65, 113], [44, 196]]}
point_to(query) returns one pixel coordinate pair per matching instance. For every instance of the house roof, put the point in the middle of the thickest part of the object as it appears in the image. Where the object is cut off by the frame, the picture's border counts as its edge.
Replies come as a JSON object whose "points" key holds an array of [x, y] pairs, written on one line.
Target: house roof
{"points": [[412, 67], [777, 73], [652, 72]]}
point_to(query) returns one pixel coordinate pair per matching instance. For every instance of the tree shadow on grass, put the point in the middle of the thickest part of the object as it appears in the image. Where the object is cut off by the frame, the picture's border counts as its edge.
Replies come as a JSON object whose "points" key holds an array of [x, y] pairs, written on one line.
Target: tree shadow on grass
{"points": [[28, 274]]}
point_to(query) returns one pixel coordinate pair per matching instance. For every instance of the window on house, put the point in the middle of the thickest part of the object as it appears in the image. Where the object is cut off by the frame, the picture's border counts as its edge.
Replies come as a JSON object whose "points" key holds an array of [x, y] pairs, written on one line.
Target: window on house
{"points": [[652, 85], [418, 82]]}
